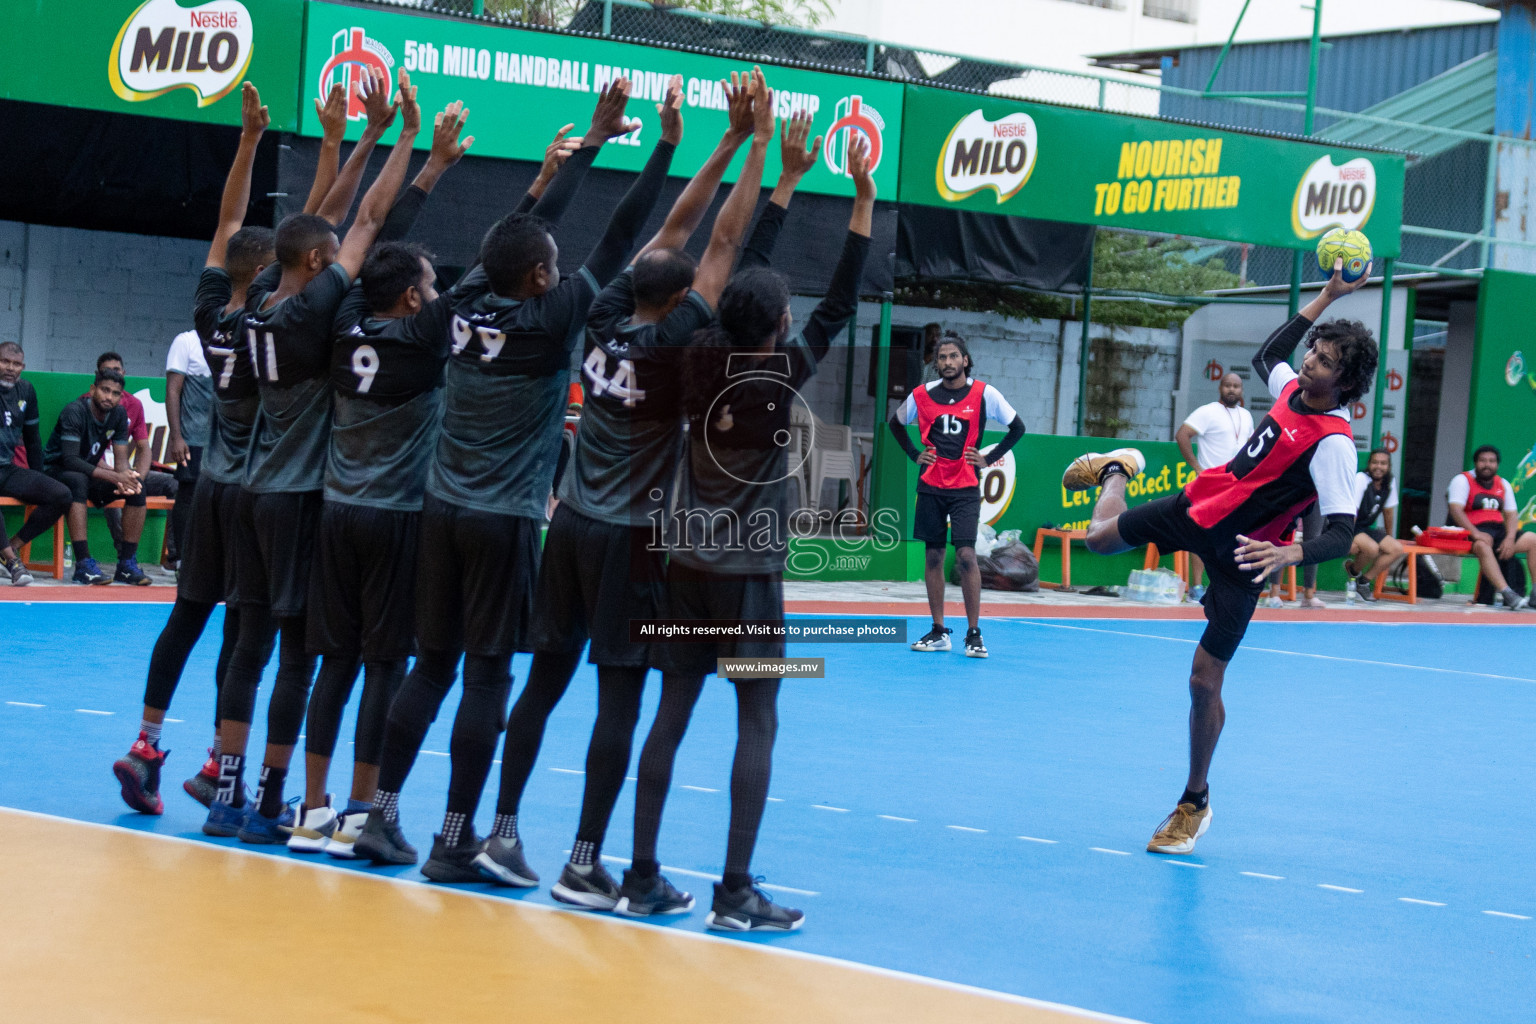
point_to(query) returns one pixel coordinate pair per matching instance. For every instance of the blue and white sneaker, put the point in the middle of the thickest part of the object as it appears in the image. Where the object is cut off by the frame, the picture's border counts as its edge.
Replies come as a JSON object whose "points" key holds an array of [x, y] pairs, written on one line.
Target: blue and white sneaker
{"points": [[128, 571], [225, 820], [262, 830], [88, 572]]}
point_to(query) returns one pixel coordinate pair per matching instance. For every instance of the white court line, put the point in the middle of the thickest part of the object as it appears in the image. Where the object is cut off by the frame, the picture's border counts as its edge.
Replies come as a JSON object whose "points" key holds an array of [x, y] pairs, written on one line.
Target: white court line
{"points": [[24, 704], [1500, 913], [617, 922], [1423, 903], [701, 789], [824, 807], [965, 828], [88, 711], [1340, 888], [1297, 654], [436, 753], [174, 721], [1032, 839], [892, 817], [1100, 849], [1185, 864], [775, 799], [567, 771], [1255, 874]]}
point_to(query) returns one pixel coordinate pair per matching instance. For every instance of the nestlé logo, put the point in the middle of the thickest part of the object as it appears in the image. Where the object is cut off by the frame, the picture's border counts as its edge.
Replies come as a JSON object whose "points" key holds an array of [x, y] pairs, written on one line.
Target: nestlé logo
{"points": [[163, 46], [1334, 197], [979, 154]]}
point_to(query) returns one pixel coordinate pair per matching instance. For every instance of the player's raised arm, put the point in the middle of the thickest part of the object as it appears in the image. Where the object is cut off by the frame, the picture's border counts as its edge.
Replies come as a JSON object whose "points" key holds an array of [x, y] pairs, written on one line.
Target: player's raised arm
{"points": [[381, 194], [836, 308], [237, 186], [555, 155], [691, 204], [796, 160], [381, 114], [1281, 345], [613, 250], [447, 150], [608, 121], [333, 126], [731, 223]]}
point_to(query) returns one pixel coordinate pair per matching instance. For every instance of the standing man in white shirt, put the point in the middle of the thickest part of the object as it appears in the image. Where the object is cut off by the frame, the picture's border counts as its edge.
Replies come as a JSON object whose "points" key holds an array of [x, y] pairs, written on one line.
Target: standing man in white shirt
{"points": [[1483, 503], [188, 407], [1221, 428]]}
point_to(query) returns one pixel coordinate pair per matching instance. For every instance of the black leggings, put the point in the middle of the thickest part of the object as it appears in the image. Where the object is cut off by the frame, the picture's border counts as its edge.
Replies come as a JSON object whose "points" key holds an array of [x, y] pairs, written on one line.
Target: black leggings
{"points": [[757, 725], [613, 735], [182, 630], [475, 728], [547, 681], [253, 649], [333, 688], [30, 487]]}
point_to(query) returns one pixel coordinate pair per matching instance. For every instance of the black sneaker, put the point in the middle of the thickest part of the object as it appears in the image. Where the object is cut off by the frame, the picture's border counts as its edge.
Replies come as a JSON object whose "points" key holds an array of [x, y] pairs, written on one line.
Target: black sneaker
{"points": [[501, 861], [642, 897], [453, 863], [128, 572], [596, 890], [1365, 589], [18, 573], [750, 910], [936, 639], [974, 648], [382, 842]]}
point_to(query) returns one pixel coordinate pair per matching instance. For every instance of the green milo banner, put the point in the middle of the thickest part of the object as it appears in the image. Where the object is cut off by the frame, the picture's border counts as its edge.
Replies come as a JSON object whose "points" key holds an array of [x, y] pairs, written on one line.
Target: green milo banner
{"points": [[1502, 406], [155, 57], [1088, 167], [520, 86]]}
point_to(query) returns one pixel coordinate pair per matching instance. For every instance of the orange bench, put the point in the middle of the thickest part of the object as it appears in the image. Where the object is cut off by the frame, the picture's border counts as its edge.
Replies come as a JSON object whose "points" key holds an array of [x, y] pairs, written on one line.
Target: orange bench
{"points": [[1066, 537], [56, 566]]}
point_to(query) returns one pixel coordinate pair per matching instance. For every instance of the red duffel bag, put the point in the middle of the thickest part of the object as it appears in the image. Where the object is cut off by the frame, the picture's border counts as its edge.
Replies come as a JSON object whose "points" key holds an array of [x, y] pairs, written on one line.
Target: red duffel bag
{"points": [[1446, 538]]}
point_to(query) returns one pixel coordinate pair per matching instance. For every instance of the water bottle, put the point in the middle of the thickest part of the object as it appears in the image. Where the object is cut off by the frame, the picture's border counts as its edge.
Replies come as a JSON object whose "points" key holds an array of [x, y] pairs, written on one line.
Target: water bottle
{"points": [[1351, 595]]}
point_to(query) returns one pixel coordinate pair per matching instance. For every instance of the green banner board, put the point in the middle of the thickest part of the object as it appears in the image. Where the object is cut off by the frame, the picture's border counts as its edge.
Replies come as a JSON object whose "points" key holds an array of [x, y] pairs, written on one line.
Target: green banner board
{"points": [[520, 86], [1089, 167], [1502, 405], [155, 57]]}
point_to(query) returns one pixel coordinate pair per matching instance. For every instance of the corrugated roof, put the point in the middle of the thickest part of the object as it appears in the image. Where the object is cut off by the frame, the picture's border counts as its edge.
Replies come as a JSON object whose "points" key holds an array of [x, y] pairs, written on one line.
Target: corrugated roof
{"points": [[1461, 98]]}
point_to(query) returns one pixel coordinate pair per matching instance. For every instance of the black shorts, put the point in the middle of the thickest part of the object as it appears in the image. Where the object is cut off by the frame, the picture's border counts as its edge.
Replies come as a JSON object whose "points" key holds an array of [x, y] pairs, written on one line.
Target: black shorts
{"points": [[947, 518], [596, 577], [1232, 596], [475, 575], [362, 593], [1376, 533], [695, 594], [208, 565], [275, 540]]}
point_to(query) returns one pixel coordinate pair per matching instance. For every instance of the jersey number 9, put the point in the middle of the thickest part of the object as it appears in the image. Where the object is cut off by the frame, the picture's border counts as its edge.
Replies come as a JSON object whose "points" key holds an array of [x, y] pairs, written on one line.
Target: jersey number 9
{"points": [[365, 363]]}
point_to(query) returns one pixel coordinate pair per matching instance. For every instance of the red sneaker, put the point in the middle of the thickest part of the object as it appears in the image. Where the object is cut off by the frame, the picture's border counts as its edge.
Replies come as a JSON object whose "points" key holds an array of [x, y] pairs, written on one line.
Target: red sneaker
{"points": [[139, 773], [204, 786]]}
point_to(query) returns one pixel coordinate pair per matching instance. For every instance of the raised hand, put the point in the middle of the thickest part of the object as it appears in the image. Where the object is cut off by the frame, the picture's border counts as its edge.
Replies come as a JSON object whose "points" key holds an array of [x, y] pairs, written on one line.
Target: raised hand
{"points": [[794, 157], [446, 126], [671, 111], [859, 166], [1337, 287], [558, 151], [738, 95], [608, 120], [333, 112], [405, 101], [763, 121], [253, 116], [376, 102]]}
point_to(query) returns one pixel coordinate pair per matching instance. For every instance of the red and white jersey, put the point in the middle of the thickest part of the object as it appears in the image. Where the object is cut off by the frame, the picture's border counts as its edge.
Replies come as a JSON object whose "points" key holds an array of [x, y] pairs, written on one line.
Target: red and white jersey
{"points": [[950, 420], [1484, 506], [1289, 462]]}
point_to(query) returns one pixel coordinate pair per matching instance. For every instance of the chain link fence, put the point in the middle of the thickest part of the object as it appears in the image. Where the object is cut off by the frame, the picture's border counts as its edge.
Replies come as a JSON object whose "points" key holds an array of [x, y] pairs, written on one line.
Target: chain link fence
{"points": [[1448, 204]]}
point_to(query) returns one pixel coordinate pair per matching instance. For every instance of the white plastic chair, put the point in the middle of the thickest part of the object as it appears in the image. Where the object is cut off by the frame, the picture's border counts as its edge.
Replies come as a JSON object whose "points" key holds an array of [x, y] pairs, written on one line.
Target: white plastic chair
{"points": [[832, 457]]}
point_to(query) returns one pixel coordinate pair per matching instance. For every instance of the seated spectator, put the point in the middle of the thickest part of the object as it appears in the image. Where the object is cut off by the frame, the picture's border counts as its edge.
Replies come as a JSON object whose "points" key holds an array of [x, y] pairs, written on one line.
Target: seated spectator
{"points": [[188, 410], [1220, 428], [1307, 526], [155, 484], [87, 427], [23, 478], [1483, 504], [1373, 547]]}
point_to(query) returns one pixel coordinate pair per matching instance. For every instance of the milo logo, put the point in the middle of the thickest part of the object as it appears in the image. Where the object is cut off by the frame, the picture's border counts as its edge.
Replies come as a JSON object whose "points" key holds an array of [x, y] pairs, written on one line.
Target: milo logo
{"points": [[1334, 197], [164, 46], [979, 154]]}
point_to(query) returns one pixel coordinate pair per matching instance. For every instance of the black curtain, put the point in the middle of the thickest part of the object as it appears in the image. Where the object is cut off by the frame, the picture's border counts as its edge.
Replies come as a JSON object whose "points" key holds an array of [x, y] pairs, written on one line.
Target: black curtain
{"points": [[67, 167], [939, 244]]}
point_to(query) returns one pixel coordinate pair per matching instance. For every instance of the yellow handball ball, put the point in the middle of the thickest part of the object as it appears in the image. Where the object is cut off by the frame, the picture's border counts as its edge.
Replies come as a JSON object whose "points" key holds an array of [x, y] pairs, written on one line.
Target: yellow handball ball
{"points": [[1350, 246]]}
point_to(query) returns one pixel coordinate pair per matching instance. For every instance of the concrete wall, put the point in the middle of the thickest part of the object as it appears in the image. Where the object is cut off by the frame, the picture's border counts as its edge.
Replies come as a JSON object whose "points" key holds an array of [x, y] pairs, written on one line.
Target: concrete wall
{"points": [[67, 295]]}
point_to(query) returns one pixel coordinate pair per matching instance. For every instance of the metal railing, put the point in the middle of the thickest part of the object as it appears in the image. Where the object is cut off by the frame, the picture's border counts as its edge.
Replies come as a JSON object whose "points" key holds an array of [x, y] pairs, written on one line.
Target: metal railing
{"points": [[1449, 202]]}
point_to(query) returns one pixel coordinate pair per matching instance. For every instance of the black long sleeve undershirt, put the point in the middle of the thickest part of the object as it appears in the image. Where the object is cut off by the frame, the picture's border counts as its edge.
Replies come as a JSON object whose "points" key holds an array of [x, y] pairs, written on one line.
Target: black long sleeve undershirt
{"points": [[902, 437], [402, 216], [765, 235], [837, 307], [1338, 534], [1280, 346], [612, 252], [562, 190], [1015, 432], [32, 441]]}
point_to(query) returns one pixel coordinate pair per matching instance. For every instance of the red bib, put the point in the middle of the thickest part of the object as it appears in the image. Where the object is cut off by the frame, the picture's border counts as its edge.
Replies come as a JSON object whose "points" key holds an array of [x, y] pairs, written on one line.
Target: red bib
{"points": [[949, 429], [1485, 505], [1269, 482]]}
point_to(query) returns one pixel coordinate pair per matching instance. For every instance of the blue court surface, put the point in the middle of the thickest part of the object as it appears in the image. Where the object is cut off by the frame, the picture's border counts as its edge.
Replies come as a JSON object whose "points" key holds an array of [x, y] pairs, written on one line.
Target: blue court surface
{"points": [[983, 822]]}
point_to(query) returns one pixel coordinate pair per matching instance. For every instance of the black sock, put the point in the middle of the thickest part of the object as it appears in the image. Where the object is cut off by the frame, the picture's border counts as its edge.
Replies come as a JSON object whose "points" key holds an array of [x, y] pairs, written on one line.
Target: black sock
{"points": [[232, 779], [128, 550], [645, 868], [82, 549], [269, 794], [1200, 799], [735, 881]]}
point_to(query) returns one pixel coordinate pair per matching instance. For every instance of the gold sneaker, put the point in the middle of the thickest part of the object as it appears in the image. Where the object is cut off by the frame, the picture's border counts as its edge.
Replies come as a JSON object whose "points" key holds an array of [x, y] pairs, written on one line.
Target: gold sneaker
{"points": [[1084, 471], [1178, 832]]}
